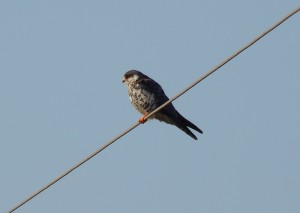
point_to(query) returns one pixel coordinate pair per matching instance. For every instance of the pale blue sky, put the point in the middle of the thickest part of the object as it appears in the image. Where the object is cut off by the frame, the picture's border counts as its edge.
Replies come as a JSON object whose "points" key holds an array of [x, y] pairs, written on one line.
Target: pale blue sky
{"points": [[61, 96]]}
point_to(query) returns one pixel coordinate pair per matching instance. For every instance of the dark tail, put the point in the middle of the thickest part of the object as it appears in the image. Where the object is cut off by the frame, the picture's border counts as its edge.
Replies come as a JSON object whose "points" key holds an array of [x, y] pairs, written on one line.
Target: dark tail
{"points": [[183, 124]]}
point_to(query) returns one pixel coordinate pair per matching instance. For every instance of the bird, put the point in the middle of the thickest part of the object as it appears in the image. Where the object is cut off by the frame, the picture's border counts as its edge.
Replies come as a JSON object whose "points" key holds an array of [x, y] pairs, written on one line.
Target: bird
{"points": [[146, 95]]}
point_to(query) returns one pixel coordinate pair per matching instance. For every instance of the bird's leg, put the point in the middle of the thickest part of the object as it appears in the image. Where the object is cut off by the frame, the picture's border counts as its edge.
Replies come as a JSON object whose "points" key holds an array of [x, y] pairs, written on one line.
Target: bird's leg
{"points": [[142, 119]]}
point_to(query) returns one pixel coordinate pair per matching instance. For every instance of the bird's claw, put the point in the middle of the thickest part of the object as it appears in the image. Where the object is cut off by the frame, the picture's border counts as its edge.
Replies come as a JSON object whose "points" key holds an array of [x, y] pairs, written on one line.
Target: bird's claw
{"points": [[142, 119]]}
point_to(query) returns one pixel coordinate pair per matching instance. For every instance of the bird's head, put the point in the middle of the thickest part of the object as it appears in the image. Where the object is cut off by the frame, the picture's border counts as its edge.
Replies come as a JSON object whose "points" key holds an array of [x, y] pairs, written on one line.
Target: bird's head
{"points": [[132, 77]]}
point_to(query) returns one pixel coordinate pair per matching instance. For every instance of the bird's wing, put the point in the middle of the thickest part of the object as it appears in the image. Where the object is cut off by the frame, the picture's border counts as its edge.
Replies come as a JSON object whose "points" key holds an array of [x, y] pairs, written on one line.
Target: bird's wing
{"points": [[160, 97], [153, 87]]}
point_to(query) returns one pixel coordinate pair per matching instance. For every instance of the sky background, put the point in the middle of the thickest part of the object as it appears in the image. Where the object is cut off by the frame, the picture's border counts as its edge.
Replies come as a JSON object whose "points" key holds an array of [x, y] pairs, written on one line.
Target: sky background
{"points": [[61, 66]]}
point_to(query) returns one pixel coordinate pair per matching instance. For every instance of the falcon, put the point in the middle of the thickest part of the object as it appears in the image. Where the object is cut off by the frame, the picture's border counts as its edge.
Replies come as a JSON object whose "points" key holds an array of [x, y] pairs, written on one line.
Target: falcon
{"points": [[146, 95]]}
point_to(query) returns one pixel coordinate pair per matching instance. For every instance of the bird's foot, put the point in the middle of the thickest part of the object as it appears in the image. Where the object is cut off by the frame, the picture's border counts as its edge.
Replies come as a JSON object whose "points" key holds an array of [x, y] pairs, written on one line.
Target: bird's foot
{"points": [[142, 119]]}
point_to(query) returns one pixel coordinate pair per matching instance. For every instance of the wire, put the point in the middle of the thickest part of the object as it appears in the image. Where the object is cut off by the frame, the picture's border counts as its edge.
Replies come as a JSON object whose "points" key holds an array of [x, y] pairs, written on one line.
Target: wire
{"points": [[156, 110], [225, 61]]}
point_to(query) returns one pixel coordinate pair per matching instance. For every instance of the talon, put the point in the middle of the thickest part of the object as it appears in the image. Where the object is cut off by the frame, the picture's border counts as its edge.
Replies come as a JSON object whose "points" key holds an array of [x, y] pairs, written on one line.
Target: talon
{"points": [[142, 119]]}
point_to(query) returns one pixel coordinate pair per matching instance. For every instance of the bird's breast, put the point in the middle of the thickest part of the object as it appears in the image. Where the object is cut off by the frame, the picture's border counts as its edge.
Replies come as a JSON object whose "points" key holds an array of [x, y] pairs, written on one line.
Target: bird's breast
{"points": [[142, 100]]}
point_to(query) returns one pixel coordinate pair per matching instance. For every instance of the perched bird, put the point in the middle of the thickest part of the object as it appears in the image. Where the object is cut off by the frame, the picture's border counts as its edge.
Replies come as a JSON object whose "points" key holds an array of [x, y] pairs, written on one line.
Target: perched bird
{"points": [[145, 95]]}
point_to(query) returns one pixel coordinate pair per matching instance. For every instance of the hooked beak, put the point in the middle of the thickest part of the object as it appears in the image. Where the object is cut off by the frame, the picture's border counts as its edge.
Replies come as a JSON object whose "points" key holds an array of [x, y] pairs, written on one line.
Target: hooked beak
{"points": [[123, 80]]}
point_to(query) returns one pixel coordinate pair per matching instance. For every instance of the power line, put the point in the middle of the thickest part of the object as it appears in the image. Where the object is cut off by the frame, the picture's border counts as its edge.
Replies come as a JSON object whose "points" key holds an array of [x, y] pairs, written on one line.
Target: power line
{"points": [[157, 109], [226, 60]]}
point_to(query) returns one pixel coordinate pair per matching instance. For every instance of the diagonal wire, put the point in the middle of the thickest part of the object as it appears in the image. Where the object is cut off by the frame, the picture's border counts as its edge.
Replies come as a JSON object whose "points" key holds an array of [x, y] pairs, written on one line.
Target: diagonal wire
{"points": [[157, 109], [225, 61]]}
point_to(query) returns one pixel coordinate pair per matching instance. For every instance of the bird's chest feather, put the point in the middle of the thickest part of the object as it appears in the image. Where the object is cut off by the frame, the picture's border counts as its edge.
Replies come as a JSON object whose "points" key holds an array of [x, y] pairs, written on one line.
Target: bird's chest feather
{"points": [[142, 100]]}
